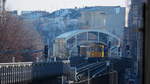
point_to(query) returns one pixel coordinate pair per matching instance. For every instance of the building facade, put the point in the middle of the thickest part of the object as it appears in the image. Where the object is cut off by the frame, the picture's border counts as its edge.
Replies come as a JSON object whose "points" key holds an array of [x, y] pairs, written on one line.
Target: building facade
{"points": [[109, 18], [134, 39]]}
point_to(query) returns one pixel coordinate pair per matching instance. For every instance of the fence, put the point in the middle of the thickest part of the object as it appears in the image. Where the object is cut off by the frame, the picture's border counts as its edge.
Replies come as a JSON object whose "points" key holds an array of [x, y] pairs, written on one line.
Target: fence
{"points": [[25, 72], [15, 72]]}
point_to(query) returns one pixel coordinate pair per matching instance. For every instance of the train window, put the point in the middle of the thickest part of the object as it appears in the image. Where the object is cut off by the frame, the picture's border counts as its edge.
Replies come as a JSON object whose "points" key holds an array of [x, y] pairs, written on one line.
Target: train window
{"points": [[72, 41]]}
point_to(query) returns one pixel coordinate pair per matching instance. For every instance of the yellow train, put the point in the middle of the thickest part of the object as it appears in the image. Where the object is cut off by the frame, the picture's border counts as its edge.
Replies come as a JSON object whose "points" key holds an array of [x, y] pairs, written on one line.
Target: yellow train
{"points": [[96, 54], [94, 50]]}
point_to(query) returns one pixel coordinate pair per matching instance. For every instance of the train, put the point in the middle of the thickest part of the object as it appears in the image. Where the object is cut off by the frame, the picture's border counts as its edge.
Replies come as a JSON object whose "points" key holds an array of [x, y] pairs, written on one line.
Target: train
{"points": [[93, 50]]}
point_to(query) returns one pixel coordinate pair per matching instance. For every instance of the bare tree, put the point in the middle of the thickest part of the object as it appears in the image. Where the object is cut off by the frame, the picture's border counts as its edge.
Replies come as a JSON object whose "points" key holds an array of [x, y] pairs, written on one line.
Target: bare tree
{"points": [[18, 40]]}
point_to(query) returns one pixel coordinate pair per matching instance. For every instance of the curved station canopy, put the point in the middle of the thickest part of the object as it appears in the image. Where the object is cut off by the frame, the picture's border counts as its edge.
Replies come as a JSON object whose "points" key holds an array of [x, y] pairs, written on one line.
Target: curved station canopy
{"points": [[70, 34]]}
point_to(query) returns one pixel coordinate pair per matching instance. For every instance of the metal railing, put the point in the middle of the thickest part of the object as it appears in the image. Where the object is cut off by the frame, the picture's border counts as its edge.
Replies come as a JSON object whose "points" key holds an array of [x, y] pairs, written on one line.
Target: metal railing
{"points": [[15, 72], [26, 72]]}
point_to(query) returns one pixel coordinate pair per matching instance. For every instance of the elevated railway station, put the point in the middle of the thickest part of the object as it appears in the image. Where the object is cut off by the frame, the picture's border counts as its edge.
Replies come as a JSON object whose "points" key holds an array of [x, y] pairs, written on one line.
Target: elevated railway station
{"points": [[72, 43]]}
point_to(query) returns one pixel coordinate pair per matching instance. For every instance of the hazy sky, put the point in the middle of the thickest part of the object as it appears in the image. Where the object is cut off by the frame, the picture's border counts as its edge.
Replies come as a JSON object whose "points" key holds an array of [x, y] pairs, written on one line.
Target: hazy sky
{"points": [[51, 5]]}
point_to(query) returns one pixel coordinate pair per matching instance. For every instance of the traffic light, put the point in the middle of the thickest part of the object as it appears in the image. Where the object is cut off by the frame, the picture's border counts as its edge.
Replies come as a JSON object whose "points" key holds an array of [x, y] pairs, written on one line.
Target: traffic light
{"points": [[46, 51], [127, 47], [109, 44]]}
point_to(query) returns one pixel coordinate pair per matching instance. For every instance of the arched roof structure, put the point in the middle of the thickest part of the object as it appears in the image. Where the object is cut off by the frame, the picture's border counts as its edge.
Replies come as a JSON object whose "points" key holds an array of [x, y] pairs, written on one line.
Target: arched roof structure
{"points": [[71, 34]]}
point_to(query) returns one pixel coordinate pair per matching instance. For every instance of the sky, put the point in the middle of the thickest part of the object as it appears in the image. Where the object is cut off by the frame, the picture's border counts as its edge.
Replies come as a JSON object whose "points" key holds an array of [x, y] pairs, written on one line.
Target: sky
{"points": [[52, 5]]}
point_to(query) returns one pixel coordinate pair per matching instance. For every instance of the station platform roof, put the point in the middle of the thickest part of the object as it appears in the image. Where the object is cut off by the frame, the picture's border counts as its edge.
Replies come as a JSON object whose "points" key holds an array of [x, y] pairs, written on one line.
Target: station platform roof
{"points": [[70, 34]]}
